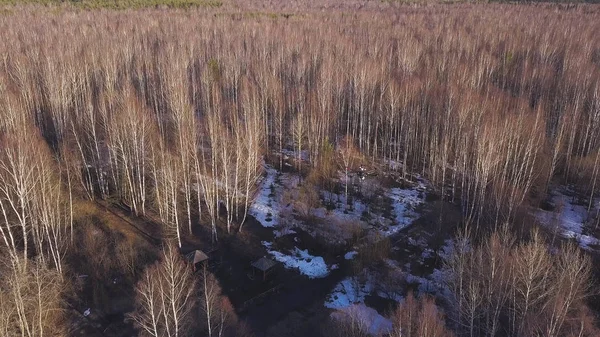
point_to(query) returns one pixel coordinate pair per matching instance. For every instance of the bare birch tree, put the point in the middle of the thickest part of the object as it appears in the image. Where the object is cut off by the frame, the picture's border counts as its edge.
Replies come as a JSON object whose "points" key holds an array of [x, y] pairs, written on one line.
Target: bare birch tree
{"points": [[165, 297], [31, 303]]}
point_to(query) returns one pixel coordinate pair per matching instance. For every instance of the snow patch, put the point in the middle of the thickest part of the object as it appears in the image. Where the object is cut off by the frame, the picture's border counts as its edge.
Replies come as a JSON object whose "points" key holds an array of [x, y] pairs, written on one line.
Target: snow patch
{"points": [[283, 231], [368, 318], [446, 251], [265, 208], [349, 291], [309, 265], [405, 202], [568, 220], [433, 284], [350, 255], [343, 210]]}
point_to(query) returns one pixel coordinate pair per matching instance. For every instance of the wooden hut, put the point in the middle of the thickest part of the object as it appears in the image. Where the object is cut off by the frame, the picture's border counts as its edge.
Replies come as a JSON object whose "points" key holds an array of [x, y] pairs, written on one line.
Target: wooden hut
{"points": [[198, 258], [263, 265]]}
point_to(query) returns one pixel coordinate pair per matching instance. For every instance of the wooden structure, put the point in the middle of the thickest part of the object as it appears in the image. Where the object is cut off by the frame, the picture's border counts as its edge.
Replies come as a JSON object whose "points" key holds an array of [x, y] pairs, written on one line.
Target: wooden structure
{"points": [[263, 265], [198, 258]]}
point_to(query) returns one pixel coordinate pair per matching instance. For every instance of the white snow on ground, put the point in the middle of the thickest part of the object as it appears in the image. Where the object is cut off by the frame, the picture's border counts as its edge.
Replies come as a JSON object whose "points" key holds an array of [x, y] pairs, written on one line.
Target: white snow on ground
{"points": [[427, 253], [350, 255], [368, 318], [425, 285], [349, 291], [446, 251], [342, 210], [433, 284], [568, 220], [309, 265], [585, 241], [283, 231], [266, 208], [405, 201]]}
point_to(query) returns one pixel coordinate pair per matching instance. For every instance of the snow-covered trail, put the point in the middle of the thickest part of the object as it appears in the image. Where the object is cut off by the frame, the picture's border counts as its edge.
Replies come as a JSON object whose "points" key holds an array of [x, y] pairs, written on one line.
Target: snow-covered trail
{"points": [[405, 202], [265, 207]]}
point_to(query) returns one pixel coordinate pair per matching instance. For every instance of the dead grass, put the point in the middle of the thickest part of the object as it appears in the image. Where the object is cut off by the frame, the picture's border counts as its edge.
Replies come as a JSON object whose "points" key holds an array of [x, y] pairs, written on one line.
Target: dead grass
{"points": [[84, 210]]}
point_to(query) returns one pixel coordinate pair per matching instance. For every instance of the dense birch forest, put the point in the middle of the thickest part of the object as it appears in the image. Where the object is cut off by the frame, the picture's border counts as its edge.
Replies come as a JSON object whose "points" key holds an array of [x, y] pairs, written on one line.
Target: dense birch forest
{"points": [[173, 116]]}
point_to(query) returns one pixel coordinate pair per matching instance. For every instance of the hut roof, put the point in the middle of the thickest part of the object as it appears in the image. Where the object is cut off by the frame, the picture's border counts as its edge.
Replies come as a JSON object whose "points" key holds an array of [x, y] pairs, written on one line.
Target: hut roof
{"points": [[264, 264], [197, 256]]}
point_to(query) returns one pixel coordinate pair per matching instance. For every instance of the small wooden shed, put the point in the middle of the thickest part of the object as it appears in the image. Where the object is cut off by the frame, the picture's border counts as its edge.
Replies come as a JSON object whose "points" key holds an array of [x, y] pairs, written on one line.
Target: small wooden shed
{"points": [[198, 258], [263, 265]]}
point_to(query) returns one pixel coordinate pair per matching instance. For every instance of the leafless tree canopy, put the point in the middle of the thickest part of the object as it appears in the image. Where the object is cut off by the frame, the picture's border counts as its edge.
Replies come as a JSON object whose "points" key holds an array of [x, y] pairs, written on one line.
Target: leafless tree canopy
{"points": [[418, 318], [477, 99], [166, 297], [31, 301], [171, 114], [520, 289]]}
